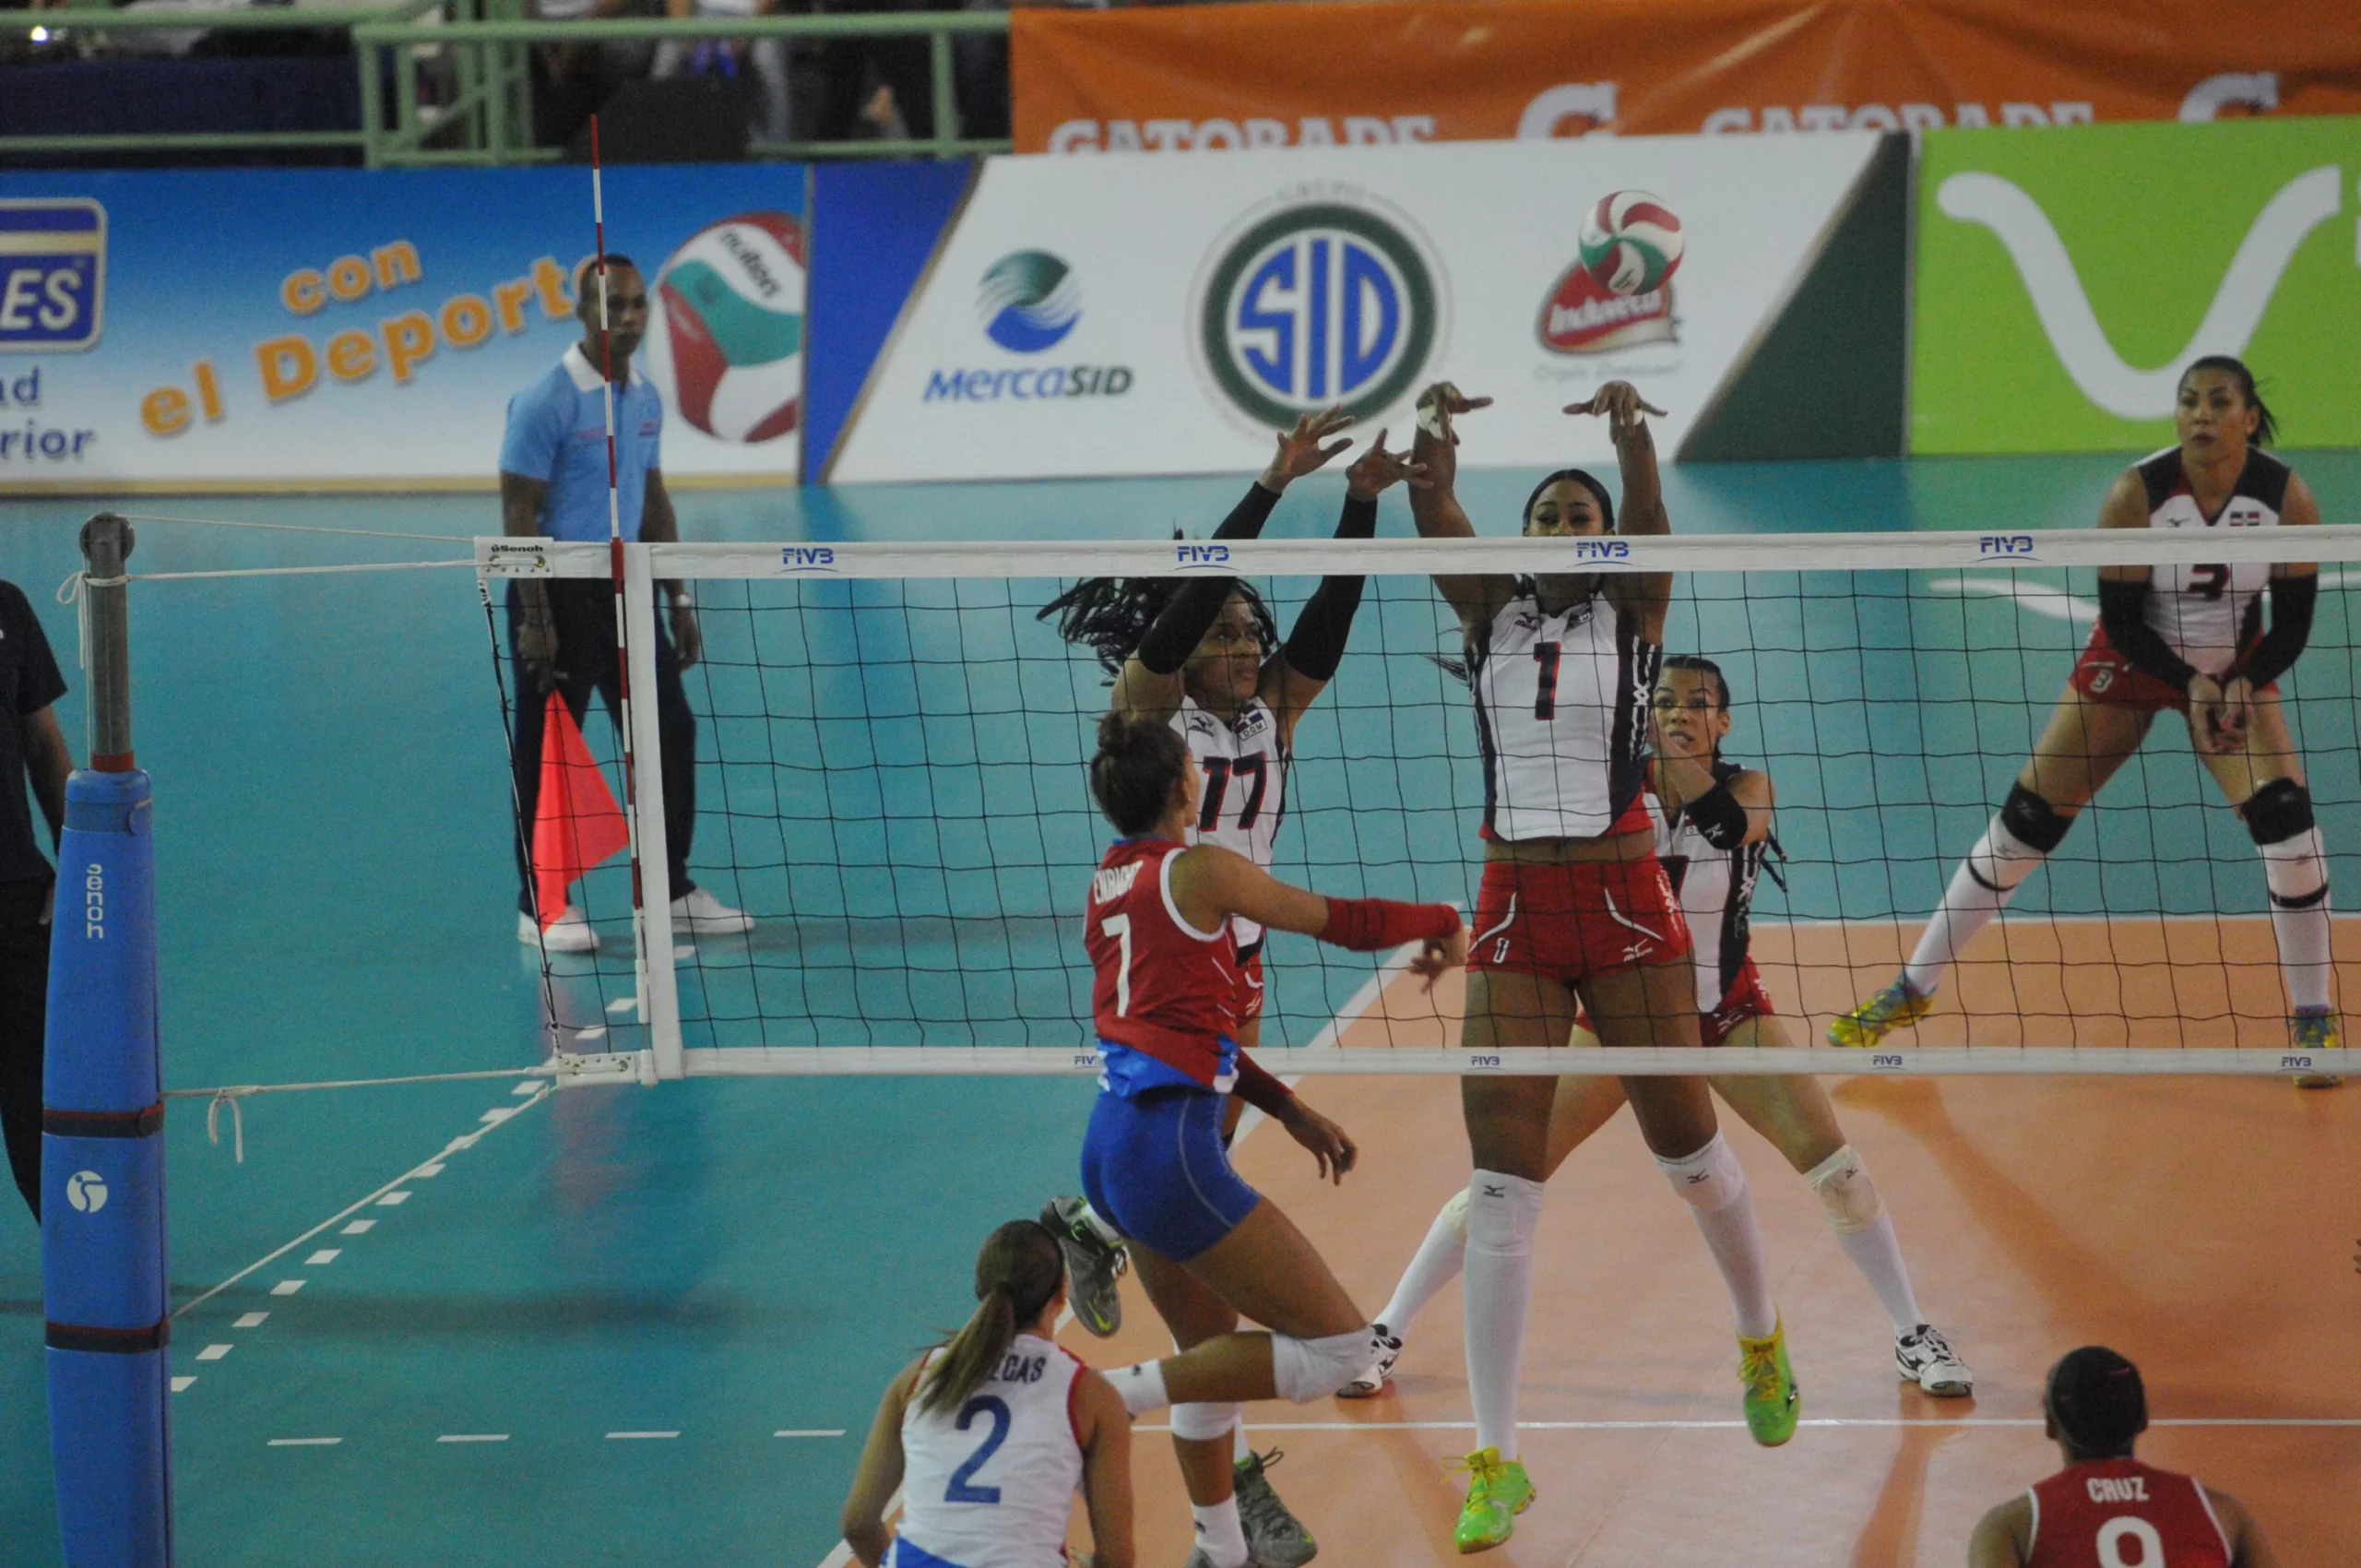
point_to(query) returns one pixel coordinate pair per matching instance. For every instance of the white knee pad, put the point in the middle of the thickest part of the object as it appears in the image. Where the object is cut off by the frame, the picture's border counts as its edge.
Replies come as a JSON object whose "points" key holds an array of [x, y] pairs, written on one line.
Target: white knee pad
{"points": [[1455, 1213], [1305, 1370], [1203, 1423], [1843, 1182], [1710, 1180], [2296, 870], [1502, 1212]]}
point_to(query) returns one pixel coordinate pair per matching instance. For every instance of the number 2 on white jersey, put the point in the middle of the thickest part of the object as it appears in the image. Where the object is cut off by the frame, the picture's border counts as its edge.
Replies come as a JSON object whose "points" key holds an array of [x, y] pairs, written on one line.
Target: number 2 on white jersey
{"points": [[1120, 928]]}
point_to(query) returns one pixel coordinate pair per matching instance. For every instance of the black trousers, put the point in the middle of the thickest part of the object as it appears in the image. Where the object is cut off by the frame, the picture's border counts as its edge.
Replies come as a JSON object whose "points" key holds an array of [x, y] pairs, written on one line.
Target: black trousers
{"points": [[24, 1020], [584, 614]]}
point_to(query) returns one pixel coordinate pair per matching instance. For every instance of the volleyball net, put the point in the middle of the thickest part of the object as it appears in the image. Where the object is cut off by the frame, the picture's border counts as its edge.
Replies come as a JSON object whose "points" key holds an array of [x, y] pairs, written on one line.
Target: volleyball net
{"points": [[890, 778]]}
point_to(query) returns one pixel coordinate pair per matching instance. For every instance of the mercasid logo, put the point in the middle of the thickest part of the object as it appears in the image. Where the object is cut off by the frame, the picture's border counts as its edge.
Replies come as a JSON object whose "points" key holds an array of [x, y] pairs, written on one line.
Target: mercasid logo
{"points": [[1317, 303], [1029, 301]]}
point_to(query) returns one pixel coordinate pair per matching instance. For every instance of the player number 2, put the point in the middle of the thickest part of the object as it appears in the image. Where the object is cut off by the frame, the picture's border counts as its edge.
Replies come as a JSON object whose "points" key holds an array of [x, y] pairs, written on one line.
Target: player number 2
{"points": [[1545, 695], [960, 1490], [2208, 582], [2131, 1526], [1120, 928]]}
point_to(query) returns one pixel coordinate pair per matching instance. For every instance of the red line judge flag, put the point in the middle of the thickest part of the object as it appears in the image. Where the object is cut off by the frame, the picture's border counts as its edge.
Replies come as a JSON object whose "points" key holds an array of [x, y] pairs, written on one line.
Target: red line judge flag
{"points": [[575, 821]]}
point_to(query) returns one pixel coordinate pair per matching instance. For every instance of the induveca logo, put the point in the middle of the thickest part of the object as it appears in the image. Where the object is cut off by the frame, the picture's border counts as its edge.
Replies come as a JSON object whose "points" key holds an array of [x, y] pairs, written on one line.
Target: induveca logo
{"points": [[1319, 302], [1028, 303]]}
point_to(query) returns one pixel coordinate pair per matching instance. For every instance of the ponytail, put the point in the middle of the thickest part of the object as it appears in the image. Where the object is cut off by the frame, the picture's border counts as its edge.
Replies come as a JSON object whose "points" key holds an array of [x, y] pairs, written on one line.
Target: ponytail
{"points": [[1017, 1273]]}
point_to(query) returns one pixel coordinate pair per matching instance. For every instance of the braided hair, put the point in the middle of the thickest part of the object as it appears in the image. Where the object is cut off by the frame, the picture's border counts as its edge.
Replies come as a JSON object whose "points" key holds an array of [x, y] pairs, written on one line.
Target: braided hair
{"points": [[1110, 615]]}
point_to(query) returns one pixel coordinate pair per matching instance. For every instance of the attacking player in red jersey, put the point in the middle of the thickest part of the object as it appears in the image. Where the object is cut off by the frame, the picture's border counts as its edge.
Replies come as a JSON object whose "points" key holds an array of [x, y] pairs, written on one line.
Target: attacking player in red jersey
{"points": [[1165, 1002], [2105, 1509]]}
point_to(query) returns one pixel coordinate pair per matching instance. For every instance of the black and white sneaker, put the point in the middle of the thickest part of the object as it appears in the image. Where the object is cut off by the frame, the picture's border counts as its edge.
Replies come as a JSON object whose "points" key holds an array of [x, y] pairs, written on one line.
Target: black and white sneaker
{"points": [[1093, 1265], [1275, 1538], [1924, 1357], [1371, 1384]]}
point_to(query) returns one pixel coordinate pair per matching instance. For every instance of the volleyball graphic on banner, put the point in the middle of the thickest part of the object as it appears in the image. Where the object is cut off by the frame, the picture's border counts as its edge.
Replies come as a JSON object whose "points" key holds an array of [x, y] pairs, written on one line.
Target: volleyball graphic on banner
{"points": [[1631, 242], [728, 335]]}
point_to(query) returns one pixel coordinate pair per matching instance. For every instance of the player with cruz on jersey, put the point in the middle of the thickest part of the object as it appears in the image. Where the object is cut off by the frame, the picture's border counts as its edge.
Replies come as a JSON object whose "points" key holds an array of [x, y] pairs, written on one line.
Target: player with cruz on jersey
{"points": [[2105, 1509], [1163, 998], [989, 1437], [1574, 913], [1202, 655], [1713, 827], [2189, 639]]}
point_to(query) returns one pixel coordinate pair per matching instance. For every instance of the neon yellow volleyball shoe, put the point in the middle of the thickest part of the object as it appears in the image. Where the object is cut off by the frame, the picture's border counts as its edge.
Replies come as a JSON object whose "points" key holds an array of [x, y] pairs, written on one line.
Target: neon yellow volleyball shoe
{"points": [[1888, 1010], [2315, 1029], [1771, 1399], [1498, 1490]]}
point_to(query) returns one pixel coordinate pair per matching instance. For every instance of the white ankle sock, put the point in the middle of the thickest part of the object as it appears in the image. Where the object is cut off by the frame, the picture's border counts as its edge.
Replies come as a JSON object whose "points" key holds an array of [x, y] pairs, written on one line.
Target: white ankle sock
{"points": [[1999, 860], [1877, 1253], [1714, 1186], [1220, 1535], [1240, 1448], [1440, 1258], [1502, 1213]]}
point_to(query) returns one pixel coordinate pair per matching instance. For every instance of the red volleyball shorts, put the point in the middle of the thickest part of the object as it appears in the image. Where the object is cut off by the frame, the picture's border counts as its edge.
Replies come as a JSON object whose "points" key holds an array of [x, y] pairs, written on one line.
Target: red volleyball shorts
{"points": [[1570, 922], [2104, 676], [1746, 999]]}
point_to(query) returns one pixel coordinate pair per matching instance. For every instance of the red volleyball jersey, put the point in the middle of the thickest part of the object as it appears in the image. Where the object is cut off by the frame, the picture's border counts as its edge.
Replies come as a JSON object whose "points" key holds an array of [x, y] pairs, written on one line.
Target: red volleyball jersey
{"points": [[1159, 986], [2122, 1514]]}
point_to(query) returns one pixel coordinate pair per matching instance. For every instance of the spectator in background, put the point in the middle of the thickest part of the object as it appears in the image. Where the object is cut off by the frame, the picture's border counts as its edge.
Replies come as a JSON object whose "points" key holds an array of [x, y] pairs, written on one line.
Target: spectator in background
{"points": [[773, 119], [569, 80], [32, 751]]}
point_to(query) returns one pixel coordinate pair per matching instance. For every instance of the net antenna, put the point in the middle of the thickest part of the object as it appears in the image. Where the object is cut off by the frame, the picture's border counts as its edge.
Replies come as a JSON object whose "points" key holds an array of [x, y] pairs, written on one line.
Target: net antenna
{"points": [[629, 573]]}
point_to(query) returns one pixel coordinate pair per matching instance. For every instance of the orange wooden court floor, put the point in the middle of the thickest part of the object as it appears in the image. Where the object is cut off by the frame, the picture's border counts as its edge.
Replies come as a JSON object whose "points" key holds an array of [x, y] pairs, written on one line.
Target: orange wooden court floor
{"points": [[2205, 1227]]}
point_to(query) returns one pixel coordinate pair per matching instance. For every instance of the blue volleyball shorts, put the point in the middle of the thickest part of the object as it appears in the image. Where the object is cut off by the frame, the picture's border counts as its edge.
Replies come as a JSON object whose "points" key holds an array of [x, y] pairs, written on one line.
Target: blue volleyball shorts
{"points": [[1153, 1166]]}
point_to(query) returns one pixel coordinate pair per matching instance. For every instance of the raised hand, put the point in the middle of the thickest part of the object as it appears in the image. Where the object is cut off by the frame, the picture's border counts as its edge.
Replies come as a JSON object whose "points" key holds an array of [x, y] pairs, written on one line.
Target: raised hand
{"points": [[1377, 467], [1621, 402], [1301, 450], [1441, 402]]}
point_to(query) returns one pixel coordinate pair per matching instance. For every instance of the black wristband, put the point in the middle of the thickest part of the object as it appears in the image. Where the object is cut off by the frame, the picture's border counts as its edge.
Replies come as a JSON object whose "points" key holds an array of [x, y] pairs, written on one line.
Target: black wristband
{"points": [[2123, 616], [1718, 818], [2292, 601]]}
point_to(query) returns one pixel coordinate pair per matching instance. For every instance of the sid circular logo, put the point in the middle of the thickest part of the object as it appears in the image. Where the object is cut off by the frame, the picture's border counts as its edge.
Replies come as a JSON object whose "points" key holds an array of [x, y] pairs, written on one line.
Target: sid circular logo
{"points": [[1318, 304]]}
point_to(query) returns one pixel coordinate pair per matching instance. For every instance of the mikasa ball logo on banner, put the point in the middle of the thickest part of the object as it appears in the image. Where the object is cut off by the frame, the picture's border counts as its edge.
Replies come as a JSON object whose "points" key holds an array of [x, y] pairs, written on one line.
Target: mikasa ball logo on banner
{"points": [[1310, 303]]}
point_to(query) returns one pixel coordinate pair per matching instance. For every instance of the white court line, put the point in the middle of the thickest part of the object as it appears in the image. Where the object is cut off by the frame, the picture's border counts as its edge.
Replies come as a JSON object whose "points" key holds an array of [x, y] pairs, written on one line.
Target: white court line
{"points": [[1822, 1421], [284, 1287], [395, 1199], [249, 1320], [434, 1167], [180, 1384], [473, 1437], [623, 1005], [214, 1352], [304, 1442], [638, 1436], [465, 1141], [325, 1256], [1357, 1003], [816, 1432], [359, 1228]]}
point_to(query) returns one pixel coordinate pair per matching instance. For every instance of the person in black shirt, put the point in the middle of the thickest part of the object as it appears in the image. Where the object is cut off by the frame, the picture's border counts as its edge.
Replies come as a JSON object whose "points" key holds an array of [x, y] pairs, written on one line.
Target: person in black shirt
{"points": [[32, 749]]}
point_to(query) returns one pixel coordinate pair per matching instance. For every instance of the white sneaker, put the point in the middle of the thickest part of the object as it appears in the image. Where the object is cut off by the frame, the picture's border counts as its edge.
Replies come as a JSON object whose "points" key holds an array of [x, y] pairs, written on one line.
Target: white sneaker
{"points": [[570, 933], [1926, 1358], [699, 913], [1371, 1384]]}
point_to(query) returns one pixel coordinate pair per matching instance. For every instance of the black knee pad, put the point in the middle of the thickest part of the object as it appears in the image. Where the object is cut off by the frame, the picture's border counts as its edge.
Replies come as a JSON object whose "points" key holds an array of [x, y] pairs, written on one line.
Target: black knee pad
{"points": [[2280, 811], [2032, 821]]}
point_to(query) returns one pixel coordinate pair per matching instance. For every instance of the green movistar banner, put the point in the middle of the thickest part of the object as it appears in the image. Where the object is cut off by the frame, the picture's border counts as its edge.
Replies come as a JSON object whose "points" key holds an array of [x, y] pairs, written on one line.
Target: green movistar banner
{"points": [[2066, 276]]}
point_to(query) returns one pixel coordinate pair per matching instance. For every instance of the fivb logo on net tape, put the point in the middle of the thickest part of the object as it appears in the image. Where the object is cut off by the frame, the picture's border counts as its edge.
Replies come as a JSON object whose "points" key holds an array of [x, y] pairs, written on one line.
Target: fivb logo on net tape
{"points": [[53, 275], [1324, 297]]}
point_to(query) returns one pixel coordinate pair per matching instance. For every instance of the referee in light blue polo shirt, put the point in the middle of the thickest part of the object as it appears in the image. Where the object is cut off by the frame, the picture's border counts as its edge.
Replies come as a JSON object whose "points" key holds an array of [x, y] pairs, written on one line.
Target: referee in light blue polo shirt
{"points": [[561, 631]]}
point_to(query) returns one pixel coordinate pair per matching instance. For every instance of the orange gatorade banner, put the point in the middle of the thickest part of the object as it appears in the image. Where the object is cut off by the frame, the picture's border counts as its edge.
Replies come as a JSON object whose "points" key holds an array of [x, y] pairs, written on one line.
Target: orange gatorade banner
{"points": [[1207, 77]]}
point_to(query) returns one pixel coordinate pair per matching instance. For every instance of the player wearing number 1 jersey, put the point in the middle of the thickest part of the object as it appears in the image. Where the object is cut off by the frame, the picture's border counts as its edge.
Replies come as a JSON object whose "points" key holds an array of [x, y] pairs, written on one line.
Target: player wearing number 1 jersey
{"points": [[989, 1437], [2185, 637], [2105, 1509]]}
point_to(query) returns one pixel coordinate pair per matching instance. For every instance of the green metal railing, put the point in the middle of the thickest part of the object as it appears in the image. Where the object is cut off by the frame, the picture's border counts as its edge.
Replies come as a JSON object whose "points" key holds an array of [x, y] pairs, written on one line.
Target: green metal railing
{"points": [[487, 117]]}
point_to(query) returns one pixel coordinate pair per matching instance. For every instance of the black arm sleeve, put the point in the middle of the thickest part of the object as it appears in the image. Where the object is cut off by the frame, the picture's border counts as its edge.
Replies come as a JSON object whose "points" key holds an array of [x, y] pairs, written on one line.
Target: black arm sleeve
{"points": [[1718, 818], [1175, 633], [2291, 628], [1316, 644], [2123, 614]]}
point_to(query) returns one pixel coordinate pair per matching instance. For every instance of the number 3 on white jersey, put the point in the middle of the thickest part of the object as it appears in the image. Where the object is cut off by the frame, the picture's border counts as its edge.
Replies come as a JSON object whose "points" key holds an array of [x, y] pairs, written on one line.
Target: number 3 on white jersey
{"points": [[1120, 928]]}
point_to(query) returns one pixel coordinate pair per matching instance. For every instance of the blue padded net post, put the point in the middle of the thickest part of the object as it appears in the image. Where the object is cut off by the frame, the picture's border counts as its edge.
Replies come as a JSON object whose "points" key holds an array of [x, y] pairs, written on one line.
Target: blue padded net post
{"points": [[102, 1147]]}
